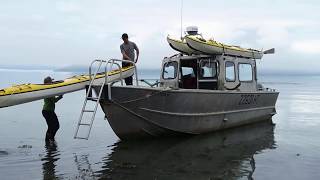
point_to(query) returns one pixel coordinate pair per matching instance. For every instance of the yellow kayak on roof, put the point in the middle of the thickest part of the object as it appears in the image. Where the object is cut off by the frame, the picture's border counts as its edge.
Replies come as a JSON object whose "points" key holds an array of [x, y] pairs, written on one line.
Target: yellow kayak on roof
{"points": [[213, 47], [181, 46], [194, 43], [24, 93]]}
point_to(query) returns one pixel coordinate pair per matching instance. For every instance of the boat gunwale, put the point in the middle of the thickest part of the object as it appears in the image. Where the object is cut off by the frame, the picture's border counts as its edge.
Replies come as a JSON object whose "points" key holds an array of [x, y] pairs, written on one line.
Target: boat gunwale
{"points": [[206, 91]]}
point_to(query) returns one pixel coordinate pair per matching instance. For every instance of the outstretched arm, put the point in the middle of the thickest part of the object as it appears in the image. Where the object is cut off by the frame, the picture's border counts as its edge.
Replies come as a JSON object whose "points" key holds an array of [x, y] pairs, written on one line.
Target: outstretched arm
{"points": [[137, 51]]}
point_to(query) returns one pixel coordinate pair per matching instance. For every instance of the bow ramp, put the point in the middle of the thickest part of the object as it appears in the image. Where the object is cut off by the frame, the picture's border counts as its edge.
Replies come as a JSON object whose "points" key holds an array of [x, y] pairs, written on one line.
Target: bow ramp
{"points": [[24, 93]]}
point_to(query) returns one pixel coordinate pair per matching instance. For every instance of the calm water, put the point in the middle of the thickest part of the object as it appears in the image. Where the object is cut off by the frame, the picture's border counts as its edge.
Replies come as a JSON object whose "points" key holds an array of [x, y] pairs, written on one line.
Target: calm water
{"points": [[288, 150]]}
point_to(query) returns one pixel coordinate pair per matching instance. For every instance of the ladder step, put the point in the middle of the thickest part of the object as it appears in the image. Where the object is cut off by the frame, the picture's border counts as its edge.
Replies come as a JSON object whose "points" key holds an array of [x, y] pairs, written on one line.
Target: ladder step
{"points": [[92, 98], [80, 138], [88, 110], [85, 124]]}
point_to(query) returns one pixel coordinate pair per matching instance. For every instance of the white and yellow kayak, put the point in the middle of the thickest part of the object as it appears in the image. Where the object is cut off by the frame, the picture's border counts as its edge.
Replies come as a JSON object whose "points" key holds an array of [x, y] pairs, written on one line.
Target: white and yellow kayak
{"points": [[181, 46], [213, 47], [24, 93]]}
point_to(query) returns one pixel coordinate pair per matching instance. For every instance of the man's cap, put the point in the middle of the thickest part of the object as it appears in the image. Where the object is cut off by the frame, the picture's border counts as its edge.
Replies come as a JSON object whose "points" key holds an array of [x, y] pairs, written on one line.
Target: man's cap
{"points": [[124, 35], [48, 79]]}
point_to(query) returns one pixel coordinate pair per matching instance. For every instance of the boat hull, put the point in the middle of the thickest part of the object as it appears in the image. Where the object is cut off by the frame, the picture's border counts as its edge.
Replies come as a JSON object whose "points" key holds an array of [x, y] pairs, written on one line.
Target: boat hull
{"points": [[135, 112]]}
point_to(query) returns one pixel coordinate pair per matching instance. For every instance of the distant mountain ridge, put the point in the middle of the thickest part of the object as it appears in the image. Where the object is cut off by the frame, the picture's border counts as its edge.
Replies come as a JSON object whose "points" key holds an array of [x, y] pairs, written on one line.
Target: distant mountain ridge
{"points": [[27, 67], [72, 68], [85, 69]]}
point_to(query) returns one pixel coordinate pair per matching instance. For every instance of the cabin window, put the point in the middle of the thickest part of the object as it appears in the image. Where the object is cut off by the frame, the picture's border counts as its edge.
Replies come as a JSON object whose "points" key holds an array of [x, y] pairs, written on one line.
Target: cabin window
{"points": [[187, 71], [208, 69], [230, 71], [170, 70], [245, 72]]}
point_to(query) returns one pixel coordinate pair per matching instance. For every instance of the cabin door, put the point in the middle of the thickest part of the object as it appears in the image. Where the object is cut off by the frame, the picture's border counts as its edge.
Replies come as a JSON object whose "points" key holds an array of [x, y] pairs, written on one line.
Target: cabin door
{"points": [[231, 82], [170, 74], [207, 74]]}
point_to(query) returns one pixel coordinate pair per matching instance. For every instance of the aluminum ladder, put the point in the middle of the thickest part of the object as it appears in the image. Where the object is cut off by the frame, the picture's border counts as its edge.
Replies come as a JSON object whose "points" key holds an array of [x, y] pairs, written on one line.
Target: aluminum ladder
{"points": [[89, 96]]}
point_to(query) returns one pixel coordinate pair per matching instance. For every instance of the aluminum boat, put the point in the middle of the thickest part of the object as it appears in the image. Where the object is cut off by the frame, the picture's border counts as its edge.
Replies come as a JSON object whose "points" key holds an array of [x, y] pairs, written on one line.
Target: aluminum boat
{"points": [[196, 94]]}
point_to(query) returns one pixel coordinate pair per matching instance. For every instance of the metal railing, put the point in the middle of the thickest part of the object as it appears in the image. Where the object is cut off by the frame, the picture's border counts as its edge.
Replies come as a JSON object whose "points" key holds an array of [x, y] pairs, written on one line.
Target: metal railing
{"points": [[114, 61]]}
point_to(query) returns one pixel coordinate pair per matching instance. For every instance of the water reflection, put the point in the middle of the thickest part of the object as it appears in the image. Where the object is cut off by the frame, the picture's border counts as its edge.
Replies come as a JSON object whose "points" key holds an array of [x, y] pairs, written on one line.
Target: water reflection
{"points": [[49, 161], [49, 165], [223, 155], [84, 167]]}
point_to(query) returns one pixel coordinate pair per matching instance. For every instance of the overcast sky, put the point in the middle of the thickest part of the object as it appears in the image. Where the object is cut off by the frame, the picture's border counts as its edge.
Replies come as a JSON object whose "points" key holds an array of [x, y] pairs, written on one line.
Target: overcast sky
{"points": [[67, 32]]}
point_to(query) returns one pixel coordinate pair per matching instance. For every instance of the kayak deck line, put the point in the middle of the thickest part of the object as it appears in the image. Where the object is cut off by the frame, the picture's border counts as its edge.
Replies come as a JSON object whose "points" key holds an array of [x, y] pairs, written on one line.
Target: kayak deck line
{"points": [[220, 45]]}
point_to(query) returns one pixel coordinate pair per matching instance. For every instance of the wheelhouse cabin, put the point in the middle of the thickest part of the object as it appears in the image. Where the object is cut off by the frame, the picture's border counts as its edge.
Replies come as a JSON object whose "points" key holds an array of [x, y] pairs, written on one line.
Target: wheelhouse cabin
{"points": [[220, 72]]}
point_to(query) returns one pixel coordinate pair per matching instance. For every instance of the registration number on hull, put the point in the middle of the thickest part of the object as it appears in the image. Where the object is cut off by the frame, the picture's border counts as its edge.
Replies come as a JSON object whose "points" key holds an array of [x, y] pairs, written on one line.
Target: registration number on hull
{"points": [[248, 99]]}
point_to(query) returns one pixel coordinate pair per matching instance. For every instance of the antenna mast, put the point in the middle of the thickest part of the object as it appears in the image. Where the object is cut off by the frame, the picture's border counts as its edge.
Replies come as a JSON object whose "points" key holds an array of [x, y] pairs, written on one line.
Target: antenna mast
{"points": [[181, 19]]}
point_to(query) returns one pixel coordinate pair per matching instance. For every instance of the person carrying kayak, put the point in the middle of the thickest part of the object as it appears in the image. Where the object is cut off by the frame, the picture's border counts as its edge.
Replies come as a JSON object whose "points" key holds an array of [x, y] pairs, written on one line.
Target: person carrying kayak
{"points": [[49, 114]]}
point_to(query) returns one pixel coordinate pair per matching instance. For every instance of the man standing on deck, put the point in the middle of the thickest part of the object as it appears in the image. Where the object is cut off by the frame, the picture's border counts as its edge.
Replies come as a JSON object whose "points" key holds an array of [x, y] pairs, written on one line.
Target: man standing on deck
{"points": [[49, 114], [127, 50]]}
